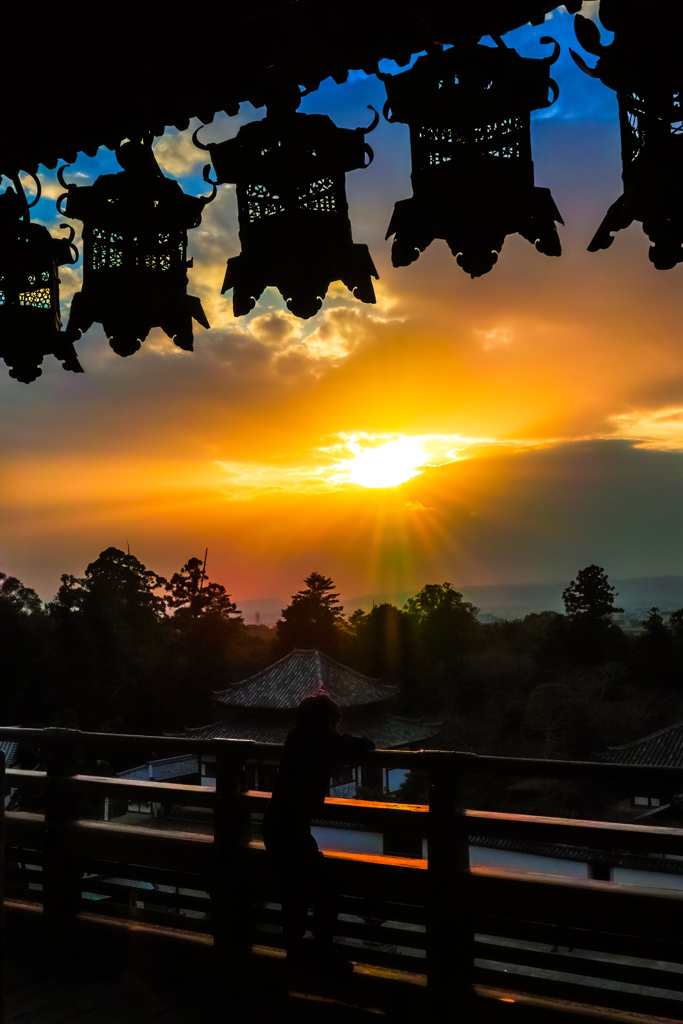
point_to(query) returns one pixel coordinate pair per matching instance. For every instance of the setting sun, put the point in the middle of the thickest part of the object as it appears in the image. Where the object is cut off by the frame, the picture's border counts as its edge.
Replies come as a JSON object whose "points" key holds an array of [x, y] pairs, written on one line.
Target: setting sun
{"points": [[387, 465]]}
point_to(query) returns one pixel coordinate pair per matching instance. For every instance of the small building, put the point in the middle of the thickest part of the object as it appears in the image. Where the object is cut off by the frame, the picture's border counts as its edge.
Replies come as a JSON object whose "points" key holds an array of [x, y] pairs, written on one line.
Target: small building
{"points": [[263, 708], [183, 769], [664, 749]]}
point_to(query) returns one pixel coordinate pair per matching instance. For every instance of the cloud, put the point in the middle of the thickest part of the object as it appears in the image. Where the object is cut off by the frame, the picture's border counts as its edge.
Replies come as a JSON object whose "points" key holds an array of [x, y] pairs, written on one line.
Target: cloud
{"points": [[494, 338], [177, 155], [277, 329], [657, 430]]}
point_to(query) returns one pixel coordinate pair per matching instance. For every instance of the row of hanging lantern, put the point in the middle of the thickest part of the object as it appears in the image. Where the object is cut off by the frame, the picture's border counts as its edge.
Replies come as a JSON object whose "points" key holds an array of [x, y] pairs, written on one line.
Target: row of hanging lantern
{"points": [[468, 108]]}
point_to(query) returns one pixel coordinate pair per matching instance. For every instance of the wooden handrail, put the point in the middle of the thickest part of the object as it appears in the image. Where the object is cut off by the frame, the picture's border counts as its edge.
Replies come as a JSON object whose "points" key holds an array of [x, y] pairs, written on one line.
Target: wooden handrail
{"points": [[455, 762]]}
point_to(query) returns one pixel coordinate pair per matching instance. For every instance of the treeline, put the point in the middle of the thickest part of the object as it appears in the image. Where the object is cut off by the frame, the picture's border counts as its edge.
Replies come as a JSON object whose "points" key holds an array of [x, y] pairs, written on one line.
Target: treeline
{"points": [[122, 649]]}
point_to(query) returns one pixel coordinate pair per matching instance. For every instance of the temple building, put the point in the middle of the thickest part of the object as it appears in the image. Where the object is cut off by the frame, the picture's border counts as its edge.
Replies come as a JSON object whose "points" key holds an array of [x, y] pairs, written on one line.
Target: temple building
{"points": [[263, 708]]}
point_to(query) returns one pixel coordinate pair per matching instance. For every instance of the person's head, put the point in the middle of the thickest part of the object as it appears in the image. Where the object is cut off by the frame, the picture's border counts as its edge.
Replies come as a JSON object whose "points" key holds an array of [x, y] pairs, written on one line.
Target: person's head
{"points": [[318, 712]]}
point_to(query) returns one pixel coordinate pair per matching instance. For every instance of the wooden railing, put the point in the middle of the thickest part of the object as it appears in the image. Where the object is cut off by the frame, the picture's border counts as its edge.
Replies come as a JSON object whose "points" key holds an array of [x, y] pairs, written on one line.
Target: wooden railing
{"points": [[465, 931]]}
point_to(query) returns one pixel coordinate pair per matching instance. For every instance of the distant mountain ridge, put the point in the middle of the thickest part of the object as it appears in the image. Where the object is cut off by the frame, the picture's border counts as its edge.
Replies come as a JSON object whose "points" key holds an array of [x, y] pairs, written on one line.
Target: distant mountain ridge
{"points": [[505, 600]]}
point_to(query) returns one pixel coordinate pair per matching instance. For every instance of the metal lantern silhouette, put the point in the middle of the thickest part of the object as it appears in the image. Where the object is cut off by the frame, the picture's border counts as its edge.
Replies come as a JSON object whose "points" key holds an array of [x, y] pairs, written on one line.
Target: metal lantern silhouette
{"points": [[135, 226], [469, 110], [29, 288], [643, 65], [294, 224]]}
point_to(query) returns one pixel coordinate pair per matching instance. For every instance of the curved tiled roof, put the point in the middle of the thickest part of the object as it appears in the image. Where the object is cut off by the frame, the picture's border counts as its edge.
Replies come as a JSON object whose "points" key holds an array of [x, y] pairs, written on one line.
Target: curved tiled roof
{"points": [[663, 748], [282, 686], [163, 769], [386, 731]]}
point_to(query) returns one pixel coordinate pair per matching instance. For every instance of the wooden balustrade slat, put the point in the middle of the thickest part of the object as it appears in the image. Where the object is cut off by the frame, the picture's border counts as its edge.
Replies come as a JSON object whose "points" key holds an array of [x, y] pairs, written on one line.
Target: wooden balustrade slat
{"points": [[127, 789], [24, 829], [385, 935], [231, 878], [61, 871], [597, 834], [163, 876], [131, 844], [581, 938], [597, 906], [119, 892], [572, 990], [118, 911], [570, 963]]}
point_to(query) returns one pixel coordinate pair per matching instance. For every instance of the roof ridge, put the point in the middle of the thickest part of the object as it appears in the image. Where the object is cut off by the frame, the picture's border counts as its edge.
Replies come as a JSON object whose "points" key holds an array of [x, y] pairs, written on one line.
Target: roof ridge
{"points": [[642, 739], [250, 679], [328, 657]]}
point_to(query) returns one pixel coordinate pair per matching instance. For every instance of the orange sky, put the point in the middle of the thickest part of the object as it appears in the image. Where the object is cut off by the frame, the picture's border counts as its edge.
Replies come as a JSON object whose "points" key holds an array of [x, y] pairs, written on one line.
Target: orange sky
{"points": [[555, 384]]}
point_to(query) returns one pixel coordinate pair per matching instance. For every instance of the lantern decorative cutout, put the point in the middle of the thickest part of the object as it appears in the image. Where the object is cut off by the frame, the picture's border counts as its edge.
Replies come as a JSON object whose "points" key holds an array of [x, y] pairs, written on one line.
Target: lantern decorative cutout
{"points": [[294, 224], [468, 108], [135, 226], [29, 288], [643, 65]]}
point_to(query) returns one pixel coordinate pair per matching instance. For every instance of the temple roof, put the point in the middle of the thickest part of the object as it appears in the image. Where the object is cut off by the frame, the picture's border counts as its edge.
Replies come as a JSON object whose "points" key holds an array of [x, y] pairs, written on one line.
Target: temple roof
{"points": [[282, 686], [386, 731], [663, 748]]}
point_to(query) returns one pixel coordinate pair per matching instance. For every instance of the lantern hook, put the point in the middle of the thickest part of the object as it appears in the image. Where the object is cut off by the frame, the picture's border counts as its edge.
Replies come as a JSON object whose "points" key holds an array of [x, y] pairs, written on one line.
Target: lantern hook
{"points": [[556, 52], [373, 125], [36, 182], [555, 90], [214, 185], [72, 233], [588, 34], [60, 176], [195, 140], [16, 181]]}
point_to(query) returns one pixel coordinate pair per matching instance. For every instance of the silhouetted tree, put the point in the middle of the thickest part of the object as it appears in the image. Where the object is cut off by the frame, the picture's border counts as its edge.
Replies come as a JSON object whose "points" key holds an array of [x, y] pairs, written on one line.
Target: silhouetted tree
{"points": [[192, 600], [590, 594], [445, 629], [111, 626], [14, 594], [589, 601], [312, 620], [25, 651], [382, 644]]}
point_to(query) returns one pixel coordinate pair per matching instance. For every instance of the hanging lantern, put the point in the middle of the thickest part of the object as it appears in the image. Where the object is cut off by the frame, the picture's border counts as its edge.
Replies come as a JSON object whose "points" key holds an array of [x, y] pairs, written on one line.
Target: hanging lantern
{"points": [[29, 288], [469, 110], [643, 65], [294, 224], [135, 226]]}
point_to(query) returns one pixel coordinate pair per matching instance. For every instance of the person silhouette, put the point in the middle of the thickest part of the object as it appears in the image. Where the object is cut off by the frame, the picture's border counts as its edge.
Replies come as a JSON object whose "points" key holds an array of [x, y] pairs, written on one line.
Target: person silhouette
{"points": [[311, 752]]}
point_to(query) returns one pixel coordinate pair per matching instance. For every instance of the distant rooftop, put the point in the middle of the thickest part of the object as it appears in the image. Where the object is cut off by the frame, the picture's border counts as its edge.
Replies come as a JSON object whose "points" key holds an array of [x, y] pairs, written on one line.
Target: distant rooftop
{"points": [[162, 770], [663, 748], [386, 731], [281, 687]]}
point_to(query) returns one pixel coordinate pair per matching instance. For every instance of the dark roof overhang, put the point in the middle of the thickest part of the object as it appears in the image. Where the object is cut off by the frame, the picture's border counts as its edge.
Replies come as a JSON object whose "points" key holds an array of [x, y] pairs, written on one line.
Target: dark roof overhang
{"points": [[79, 76]]}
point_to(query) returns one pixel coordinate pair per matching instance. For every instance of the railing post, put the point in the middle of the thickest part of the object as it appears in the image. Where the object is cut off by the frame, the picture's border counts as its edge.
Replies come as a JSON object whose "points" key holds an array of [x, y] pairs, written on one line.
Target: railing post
{"points": [[231, 889], [2, 888], [450, 934], [61, 876]]}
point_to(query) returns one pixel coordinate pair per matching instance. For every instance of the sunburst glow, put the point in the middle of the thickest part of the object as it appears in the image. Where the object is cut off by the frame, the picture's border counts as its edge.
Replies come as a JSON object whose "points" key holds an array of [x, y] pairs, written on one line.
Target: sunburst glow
{"points": [[388, 465]]}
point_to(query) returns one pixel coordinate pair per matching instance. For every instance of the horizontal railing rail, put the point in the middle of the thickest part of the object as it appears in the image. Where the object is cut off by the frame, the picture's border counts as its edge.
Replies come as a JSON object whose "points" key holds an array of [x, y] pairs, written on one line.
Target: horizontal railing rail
{"points": [[459, 926]]}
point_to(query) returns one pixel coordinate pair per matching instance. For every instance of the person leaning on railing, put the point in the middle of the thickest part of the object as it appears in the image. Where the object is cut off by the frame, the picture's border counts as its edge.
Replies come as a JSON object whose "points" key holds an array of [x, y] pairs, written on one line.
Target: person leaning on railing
{"points": [[311, 752]]}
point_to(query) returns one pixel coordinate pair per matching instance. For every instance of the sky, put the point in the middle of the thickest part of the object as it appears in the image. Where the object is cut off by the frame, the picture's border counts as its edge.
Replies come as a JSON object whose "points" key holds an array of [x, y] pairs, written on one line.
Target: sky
{"points": [[534, 415]]}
